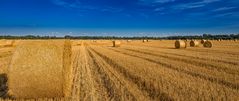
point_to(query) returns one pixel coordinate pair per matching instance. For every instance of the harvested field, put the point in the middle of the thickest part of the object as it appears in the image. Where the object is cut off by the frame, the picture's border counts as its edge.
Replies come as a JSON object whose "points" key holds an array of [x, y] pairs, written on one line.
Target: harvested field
{"points": [[135, 71]]}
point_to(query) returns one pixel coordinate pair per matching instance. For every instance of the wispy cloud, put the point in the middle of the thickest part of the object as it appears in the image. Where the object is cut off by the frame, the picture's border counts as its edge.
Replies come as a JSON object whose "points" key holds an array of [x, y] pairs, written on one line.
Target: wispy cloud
{"points": [[192, 5], [163, 1], [155, 1], [223, 9], [84, 7]]}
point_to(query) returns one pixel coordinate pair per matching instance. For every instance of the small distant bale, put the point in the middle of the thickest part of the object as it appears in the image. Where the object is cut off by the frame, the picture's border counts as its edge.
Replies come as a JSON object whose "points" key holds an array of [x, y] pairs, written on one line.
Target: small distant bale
{"points": [[219, 39], [208, 44], [145, 41], [129, 40], [180, 44], [203, 41], [7, 43], [40, 69], [116, 43], [194, 43]]}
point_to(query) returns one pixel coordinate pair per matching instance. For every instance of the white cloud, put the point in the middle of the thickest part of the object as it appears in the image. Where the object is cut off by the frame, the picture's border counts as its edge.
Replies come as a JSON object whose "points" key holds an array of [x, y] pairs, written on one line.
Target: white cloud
{"points": [[194, 4], [223, 9], [156, 1], [163, 1], [159, 9]]}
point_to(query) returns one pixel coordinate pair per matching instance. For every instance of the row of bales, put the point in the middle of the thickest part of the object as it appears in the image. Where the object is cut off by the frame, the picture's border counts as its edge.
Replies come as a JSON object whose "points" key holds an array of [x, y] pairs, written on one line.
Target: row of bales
{"points": [[118, 43], [178, 43], [193, 43], [227, 40]]}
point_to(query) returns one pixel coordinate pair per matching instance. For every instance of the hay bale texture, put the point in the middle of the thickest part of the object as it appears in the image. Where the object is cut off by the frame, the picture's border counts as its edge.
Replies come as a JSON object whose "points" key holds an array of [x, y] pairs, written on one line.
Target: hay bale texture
{"points": [[194, 43], [180, 44], [116, 43], [40, 69], [208, 44], [129, 40], [6, 43], [203, 41]]}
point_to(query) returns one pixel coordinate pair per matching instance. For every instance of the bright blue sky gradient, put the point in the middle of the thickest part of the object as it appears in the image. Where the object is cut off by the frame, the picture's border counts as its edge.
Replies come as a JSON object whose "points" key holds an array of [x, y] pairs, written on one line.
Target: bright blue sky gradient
{"points": [[161, 16]]}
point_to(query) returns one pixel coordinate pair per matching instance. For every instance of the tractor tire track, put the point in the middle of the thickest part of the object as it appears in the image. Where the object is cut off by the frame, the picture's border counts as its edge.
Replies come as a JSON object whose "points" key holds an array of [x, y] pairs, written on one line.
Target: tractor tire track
{"points": [[199, 58], [193, 62], [115, 88], [144, 85], [169, 66]]}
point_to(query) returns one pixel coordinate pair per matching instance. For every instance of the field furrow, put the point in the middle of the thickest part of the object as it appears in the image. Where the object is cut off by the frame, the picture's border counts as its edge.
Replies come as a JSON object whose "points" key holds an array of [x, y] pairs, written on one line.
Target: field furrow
{"points": [[147, 86], [156, 68], [194, 55], [183, 69], [133, 70], [116, 87]]}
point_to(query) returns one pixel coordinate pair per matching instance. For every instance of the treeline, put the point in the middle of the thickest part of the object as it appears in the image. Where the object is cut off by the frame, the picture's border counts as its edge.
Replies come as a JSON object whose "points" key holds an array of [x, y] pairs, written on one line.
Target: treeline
{"points": [[204, 36]]}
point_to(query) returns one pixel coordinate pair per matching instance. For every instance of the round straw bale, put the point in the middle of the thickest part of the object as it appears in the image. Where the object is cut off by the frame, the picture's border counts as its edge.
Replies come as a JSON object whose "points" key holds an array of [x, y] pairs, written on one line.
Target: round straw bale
{"points": [[208, 44], [180, 44], [144, 40], [219, 39], [116, 43], [202, 41], [129, 40], [40, 69], [194, 43], [9, 43]]}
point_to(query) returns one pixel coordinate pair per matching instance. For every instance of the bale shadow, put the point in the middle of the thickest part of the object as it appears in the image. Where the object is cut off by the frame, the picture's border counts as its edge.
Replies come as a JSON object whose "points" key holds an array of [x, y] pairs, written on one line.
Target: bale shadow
{"points": [[3, 86]]}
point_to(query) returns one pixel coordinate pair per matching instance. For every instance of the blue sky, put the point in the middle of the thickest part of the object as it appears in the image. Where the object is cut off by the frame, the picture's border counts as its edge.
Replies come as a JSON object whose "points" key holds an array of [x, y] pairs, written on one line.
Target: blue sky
{"points": [[160, 17]]}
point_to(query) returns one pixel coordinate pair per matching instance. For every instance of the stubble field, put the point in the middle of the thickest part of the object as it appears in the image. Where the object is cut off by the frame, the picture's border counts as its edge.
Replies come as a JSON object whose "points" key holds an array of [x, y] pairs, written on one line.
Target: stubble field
{"points": [[149, 71]]}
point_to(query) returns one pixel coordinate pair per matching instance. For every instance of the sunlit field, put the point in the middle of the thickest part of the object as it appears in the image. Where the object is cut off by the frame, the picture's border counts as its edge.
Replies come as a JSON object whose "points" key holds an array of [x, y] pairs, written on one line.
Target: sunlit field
{"points": [[134, 70]]}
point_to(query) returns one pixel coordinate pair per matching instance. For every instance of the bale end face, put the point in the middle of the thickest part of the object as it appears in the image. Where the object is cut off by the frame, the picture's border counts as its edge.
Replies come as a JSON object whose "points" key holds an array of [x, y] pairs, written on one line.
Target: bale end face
{"points": [[208, 44], [194, 43], [180, 44], [116, 43], [203, 41], [40, 69]]}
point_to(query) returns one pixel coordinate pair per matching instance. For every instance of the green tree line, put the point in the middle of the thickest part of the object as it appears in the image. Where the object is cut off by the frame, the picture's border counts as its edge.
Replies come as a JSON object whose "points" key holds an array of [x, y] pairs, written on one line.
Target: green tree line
{"points": [[204, 36]]}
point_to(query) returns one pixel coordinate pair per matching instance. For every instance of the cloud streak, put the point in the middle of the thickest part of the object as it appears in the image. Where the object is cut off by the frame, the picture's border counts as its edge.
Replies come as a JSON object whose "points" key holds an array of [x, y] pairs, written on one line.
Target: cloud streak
{"points": [[146, 8]]}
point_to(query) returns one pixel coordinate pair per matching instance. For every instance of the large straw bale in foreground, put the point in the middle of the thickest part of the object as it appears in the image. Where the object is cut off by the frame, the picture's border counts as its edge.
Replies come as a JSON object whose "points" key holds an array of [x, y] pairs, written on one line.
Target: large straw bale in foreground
{"points": [[194, 43], [180, 44], [208, 44], [40, 69], [116, 43]]}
